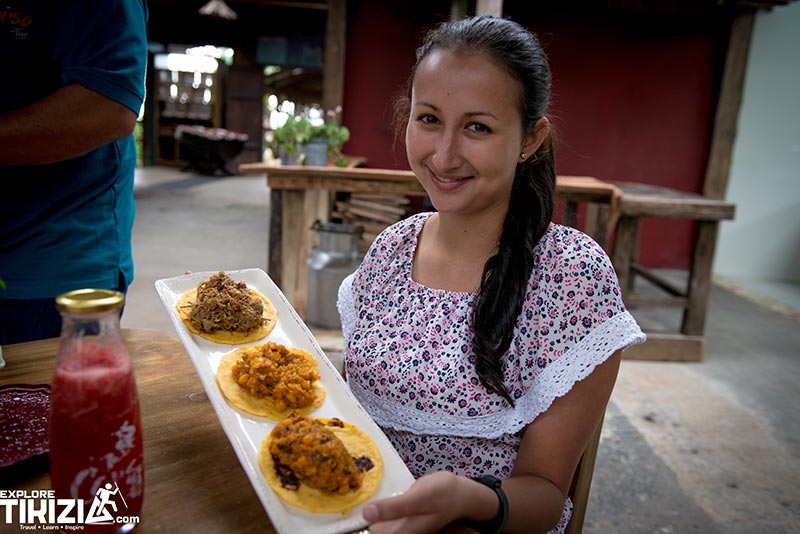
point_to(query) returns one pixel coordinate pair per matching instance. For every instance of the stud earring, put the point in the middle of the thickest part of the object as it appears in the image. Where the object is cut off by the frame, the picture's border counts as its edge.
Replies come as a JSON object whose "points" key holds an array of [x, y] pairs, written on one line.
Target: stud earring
{"points": [[523, 155]]}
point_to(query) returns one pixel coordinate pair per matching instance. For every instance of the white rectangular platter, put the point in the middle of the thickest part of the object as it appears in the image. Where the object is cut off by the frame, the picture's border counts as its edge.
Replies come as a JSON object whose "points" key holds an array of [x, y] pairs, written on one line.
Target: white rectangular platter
{"points": [[246, 431]]}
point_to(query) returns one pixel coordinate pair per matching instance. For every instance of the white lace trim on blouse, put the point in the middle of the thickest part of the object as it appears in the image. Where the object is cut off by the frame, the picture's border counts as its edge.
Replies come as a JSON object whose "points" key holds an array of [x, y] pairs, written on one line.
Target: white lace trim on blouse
{"points": [[347, 307], [555, 381]]}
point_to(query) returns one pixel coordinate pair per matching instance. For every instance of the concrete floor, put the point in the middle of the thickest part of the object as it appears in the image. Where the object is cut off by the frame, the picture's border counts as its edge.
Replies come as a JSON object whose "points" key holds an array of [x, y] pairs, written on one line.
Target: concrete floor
{"points": [[711, 447]]}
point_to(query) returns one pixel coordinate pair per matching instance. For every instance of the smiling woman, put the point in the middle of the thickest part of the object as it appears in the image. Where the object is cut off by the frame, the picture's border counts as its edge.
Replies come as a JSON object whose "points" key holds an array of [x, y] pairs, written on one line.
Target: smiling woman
{"points": [[510, 327]]}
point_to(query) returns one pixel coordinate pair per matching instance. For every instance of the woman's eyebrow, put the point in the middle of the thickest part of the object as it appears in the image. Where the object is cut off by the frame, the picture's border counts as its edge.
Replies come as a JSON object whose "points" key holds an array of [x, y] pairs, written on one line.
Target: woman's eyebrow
{"points": [[481, 113], [470, 114], [427, 105]]}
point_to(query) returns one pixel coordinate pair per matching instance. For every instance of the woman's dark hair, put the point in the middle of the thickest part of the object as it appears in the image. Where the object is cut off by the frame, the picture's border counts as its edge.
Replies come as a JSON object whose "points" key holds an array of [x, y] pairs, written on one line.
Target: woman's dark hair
{"points": [[506, 274]]}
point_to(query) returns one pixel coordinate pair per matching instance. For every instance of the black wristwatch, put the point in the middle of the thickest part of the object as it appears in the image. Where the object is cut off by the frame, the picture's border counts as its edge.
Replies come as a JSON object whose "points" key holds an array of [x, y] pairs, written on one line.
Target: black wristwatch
{"points": [[496, 525]]}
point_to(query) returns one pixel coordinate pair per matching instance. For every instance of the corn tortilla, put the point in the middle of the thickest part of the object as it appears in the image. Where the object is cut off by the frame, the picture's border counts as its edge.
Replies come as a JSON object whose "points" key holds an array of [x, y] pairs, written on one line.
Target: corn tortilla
{"points": [[358, 443], [262, 406], [228, 337]]}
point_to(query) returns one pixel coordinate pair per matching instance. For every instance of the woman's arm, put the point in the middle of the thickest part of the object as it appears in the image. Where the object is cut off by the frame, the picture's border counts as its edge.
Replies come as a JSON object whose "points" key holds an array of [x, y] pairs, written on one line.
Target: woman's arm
{"points": [[551, 447]]}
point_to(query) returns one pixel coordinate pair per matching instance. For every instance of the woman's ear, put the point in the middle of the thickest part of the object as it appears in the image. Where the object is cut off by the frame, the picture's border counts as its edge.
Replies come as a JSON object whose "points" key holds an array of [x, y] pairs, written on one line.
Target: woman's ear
{"points": [[534, 139]]}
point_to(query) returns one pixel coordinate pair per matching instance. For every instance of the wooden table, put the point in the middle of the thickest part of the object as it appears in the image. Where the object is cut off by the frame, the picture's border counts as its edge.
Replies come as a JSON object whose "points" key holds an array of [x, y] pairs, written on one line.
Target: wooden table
{"points": [[637, 201], [299, 195], [193, 480]]}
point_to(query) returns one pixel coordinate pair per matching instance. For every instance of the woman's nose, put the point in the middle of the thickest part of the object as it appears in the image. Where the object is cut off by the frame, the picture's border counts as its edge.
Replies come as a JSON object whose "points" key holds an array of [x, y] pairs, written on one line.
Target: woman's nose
{"points": [[448, 152]]}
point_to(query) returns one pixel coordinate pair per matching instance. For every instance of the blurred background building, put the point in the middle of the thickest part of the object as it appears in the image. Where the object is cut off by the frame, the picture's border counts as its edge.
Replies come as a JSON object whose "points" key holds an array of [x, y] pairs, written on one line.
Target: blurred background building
{"points": [[636, 87]]}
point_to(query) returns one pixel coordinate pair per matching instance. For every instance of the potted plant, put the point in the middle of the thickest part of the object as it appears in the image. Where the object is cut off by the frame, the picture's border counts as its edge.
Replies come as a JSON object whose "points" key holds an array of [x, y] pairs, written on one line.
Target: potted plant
{"points": [[289, 137], [303, 140]]}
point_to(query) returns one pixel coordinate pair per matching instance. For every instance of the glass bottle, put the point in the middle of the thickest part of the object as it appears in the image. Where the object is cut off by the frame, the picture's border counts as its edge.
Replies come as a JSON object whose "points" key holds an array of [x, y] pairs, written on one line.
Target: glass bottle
{"points": [[96, 451]]}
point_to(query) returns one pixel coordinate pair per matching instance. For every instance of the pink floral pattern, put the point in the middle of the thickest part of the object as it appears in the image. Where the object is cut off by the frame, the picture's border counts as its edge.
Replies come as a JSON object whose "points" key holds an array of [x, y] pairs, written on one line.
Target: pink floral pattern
{"points": [[409, 361]]}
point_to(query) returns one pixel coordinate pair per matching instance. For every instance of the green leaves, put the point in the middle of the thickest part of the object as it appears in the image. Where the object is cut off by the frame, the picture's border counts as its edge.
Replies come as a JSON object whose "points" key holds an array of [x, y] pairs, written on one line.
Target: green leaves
{"points": [[299, 129], [296, 131], [335, 134]]}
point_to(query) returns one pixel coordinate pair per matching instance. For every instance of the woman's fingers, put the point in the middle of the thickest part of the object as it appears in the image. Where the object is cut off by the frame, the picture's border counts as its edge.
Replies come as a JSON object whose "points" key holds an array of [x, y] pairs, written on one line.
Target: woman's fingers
{"points": [[424, 506], [391, 508]]}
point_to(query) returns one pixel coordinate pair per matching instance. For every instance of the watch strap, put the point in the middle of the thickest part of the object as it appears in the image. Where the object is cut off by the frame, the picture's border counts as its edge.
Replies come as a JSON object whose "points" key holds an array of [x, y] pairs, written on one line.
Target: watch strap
{"points": [[496, 525]]}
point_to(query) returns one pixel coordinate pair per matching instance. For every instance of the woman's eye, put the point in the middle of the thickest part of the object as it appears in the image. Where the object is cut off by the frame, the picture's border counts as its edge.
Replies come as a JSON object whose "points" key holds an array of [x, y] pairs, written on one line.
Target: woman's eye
{"points": [[427, 118], [478, 127]]}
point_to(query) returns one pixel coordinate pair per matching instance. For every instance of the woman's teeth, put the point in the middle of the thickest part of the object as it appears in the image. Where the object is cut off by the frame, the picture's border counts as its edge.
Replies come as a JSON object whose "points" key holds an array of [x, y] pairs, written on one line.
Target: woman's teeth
{"points": [[448, 180]]}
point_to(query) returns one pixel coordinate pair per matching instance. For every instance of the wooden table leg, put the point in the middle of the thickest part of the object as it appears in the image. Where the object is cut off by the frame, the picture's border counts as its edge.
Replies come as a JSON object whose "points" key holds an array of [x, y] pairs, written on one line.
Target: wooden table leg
{"points": [[292, 215], [597, 222], [694, 318], [627, 233], [291, 225], [571, 214], [308, 214], [274, 250]]}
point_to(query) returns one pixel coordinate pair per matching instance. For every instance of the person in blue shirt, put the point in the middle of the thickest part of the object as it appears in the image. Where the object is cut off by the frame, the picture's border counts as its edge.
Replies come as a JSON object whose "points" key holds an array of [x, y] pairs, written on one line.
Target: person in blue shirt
{"points": [[72, 84]]}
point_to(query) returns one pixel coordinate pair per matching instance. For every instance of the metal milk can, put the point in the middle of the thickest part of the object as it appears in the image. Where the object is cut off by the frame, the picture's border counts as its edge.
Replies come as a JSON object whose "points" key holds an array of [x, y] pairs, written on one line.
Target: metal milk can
{"points": [[329, 263]]}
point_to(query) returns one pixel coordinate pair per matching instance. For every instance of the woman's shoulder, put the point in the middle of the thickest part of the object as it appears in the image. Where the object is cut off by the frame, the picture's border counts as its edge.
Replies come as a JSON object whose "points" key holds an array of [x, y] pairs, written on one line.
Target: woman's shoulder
{"points": [[573, 276], [564, 248], [573, 320], [568, 240]]}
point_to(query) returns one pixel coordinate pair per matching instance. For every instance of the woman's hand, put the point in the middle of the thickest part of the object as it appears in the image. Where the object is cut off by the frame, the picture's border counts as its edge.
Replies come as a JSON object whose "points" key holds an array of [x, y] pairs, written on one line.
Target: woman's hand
{"points": [[432, 503]]}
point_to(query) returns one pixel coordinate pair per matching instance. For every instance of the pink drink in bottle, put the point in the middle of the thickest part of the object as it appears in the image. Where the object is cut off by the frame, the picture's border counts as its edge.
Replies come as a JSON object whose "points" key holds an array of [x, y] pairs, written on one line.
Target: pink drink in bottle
{"points": [[95, 430]]}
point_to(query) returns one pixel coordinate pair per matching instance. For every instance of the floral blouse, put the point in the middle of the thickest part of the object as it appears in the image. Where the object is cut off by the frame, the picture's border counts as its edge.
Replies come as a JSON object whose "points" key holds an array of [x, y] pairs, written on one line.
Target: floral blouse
{"points": [[409, 361]]}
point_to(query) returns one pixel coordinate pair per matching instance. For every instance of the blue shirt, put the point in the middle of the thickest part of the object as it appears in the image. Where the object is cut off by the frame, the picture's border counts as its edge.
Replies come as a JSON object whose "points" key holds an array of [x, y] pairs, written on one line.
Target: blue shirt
{"points": [[68, 225]]}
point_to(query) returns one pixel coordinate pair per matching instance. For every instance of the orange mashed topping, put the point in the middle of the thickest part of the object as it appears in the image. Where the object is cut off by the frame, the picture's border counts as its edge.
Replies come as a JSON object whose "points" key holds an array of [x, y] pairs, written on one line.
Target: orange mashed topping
{"points": [[305, 451], [275, 371]]}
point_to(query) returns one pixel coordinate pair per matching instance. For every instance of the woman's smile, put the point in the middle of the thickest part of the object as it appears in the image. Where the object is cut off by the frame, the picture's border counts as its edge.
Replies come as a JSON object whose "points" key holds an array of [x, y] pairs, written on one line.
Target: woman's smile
{"points": [[448, 182]]}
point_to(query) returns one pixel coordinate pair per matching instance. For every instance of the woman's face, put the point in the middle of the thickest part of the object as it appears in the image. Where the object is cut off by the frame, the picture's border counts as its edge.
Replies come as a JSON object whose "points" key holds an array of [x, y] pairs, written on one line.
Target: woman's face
{"points": [[464, 135]]}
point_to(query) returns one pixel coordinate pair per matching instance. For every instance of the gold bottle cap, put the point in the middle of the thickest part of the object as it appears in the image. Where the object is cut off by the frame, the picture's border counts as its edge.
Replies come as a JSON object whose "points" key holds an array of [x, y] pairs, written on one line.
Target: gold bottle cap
{"points": [[89, 300]]}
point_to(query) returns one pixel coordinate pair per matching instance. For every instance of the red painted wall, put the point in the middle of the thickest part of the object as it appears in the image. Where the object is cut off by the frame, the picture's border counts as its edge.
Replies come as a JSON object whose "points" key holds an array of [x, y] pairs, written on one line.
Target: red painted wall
{"points": [[381, 44], [633, 96]]}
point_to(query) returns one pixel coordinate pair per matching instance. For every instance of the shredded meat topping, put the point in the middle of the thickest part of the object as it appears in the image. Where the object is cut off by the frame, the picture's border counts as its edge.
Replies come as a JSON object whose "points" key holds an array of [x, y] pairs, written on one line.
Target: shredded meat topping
{"points": [[313, 455], [273, 370], [223, 304]]}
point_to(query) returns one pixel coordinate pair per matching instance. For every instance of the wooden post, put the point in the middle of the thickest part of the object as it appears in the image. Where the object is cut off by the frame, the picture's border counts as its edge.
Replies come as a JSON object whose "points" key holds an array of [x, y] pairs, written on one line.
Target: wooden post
{"points": [[727, 113], [597, 216], [458, 9], [292, 233], [694, 319], [334, 58], [571, 213], [275, 250], [489, 7], [625, 240]]}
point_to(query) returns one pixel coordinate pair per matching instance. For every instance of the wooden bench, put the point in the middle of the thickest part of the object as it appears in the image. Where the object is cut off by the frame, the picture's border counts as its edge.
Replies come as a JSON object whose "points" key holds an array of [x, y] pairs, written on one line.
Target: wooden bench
{"points": [[643, 200]]}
